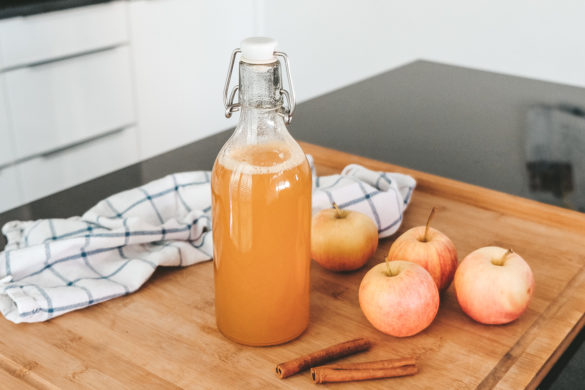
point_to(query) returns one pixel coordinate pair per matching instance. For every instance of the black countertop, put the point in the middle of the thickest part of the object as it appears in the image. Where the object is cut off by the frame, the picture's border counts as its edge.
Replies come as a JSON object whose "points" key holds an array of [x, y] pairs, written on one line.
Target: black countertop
{"points": [[473, 126], [13, 8]]}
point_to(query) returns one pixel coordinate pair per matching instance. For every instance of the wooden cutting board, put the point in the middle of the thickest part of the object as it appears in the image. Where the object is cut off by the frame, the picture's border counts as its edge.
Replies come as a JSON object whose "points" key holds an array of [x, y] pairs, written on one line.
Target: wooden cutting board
{"points": [[164, 335]]}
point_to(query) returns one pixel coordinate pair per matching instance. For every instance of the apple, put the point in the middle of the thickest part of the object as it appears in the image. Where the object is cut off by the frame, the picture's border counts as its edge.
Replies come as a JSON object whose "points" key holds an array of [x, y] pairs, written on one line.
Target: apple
{"points": [[494, 285], [429, 248], [342, 240], [399, 298]]}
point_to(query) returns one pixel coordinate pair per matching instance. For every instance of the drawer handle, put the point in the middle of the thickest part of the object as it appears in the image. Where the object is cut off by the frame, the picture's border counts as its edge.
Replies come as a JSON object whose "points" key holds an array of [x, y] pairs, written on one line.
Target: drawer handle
{"points": [[5, 166], [64, 58], [56, 152]]}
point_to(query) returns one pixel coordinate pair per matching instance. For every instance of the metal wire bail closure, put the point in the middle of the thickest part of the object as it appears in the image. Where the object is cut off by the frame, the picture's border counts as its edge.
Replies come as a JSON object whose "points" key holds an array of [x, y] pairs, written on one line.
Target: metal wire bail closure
{"points": [[228, 97], [287, 113], [228, 102]]}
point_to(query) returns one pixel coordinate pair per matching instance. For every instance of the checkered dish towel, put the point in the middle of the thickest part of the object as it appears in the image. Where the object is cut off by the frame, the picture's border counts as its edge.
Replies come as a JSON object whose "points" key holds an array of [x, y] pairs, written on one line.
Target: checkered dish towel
{"points": [[53, 266]]}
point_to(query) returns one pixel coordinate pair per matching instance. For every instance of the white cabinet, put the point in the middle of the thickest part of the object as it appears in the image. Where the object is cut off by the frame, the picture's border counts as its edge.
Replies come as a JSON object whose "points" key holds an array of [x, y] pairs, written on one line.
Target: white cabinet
{"points": [[67, 110], [43, 37], [10, 193], [181, 50], [65, 102], [6, 148], [44, 175]]}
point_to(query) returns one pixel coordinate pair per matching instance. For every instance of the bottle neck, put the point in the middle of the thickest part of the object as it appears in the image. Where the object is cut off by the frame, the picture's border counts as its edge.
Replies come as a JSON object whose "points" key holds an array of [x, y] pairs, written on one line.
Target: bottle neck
{"points": [[259, 114], [260, 124], [260, 86]]}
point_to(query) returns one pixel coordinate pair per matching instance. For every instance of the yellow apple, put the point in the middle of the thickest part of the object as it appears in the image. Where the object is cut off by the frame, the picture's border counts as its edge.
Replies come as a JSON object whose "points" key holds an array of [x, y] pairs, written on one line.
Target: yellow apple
{"points": [[430, 249], [342, 240]]}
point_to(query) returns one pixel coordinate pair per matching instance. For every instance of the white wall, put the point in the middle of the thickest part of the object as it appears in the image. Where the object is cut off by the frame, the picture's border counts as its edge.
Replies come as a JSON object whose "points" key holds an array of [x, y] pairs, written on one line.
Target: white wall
{"points": [[335, 42], [181, 51]]}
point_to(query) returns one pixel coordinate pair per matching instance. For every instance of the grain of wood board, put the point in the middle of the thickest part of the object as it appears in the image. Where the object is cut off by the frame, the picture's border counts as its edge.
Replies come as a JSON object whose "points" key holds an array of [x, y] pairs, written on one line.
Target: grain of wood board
{"points": [[164, 335]]}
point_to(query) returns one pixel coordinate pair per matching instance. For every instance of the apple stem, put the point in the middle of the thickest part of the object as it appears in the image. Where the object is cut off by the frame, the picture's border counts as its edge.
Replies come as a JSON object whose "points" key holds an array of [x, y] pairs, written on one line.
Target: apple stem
{"points": [[388, 270], [431, 215], [340, 213], [502, 260]]}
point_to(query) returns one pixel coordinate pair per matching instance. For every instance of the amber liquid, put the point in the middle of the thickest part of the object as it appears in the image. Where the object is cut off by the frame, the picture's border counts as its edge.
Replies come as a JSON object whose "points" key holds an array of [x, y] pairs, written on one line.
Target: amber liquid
{"points": [[261, 207]]}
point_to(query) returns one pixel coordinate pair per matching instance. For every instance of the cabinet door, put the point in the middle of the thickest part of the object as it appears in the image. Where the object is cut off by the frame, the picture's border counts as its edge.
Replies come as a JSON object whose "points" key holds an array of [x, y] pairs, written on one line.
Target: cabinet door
{"points": [[181, 50], [10, 193], [45, 175], [6, 148], [61, 103], [43, 37]]}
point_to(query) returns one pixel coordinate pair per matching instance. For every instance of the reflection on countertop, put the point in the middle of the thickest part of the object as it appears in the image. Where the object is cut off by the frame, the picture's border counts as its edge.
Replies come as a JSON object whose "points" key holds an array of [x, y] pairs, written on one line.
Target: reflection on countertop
{"points": [[555, 154]]}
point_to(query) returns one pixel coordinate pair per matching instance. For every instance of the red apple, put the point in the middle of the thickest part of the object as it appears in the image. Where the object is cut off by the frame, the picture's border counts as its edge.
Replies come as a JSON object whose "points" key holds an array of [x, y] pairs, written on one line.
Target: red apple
{"points": [[399, 298], [430, 249], [494, 285], [342, 240]]}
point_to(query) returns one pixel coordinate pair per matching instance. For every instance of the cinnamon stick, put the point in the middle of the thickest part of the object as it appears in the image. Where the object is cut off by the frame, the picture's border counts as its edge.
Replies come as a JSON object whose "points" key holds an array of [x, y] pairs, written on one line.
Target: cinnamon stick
{"points": [[331, 375], [322, 356], [388, 363]]}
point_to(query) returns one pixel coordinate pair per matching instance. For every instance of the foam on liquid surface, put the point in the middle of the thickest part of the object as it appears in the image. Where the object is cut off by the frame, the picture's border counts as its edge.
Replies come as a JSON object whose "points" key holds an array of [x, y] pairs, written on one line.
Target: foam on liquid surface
{"points": [[262, 158]]}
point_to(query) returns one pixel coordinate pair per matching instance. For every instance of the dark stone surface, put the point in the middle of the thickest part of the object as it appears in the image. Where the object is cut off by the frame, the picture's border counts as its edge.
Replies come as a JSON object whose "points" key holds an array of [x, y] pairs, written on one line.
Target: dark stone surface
{"points": [[464, 124], [456, 122]]}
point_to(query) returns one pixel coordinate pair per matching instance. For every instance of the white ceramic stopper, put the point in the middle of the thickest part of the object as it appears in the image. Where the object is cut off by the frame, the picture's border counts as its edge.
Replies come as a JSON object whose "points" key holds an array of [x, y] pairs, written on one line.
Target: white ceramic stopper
{"points": [[258, 50]]}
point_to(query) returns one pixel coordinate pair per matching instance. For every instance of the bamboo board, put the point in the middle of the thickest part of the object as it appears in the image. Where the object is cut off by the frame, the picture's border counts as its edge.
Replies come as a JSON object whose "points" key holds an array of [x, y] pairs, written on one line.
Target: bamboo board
{"points": [[164, 335]]}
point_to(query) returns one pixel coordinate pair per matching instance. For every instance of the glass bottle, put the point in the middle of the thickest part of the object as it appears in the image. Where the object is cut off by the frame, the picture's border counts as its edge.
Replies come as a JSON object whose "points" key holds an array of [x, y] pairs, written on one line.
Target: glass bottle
{"points": [[261, 207]]}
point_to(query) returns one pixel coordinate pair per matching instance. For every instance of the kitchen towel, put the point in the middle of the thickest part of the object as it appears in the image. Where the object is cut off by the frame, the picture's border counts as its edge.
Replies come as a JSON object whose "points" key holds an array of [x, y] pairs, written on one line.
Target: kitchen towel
{"points": [[53, 266]]}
